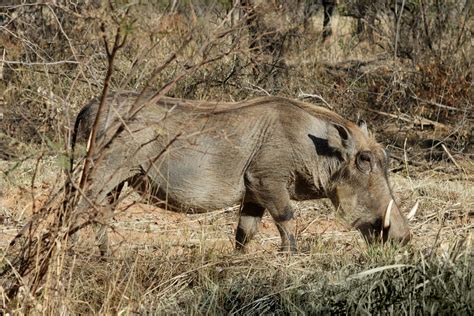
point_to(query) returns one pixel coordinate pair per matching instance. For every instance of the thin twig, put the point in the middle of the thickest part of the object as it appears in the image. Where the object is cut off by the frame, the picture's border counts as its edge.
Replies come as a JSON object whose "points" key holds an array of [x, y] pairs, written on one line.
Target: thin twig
{"points": [[452, 158], [438, 104], [410, 162], [1, 65], [260, 89], [397, 31], [304, 95]]}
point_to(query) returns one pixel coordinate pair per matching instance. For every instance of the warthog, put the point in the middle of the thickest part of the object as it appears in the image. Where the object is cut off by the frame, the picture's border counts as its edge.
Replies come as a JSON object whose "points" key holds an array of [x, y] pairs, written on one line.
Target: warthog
{"points": [[198, 156]]}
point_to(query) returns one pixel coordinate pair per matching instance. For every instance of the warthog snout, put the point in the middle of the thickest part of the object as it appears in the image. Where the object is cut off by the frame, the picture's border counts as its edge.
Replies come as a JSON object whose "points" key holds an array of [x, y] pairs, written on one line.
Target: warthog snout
{"points": [[392, 227], [391, 231], [397, 233]]}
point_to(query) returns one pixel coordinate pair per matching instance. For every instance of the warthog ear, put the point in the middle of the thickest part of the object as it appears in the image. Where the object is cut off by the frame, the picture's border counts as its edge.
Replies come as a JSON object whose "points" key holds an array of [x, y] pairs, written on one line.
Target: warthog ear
{"points": [[339, 139], [363, 126]]}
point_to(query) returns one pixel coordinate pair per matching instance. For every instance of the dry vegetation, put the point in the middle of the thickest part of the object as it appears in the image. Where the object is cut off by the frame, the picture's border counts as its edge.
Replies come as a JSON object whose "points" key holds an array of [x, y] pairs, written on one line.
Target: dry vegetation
{"points": [[411, 79]]}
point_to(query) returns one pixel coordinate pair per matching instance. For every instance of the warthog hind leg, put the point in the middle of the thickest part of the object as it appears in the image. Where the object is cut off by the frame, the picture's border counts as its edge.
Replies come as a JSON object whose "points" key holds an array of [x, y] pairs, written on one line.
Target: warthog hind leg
{"points": [[121, 162], [250, 217]]}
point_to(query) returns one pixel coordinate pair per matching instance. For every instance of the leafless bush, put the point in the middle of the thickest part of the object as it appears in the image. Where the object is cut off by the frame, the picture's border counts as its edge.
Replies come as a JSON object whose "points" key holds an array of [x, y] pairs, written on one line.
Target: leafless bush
{"points": [[46, 237], [414, 29]]}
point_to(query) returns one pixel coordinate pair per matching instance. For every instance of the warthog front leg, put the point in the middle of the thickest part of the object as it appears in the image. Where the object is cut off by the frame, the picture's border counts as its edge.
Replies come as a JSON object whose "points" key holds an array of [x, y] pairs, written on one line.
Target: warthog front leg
{"points": [[250, 217], [286, 226], [273, 195], [101, 236]]}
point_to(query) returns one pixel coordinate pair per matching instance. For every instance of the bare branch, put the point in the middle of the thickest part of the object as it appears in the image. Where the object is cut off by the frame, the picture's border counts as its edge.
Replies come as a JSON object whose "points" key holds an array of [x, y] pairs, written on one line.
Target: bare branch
{"points": [[45, 63], [118, 43]]}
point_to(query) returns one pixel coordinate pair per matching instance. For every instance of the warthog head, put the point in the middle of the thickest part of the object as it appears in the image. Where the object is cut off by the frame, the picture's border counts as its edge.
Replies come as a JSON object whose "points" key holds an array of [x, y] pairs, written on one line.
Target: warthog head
{"points": [[361, 189]]}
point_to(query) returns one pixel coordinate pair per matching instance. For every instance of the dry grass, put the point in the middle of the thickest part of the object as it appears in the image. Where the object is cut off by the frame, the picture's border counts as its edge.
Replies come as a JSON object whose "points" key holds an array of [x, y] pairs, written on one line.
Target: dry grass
{"points": [[176, 263], [163, 262]]}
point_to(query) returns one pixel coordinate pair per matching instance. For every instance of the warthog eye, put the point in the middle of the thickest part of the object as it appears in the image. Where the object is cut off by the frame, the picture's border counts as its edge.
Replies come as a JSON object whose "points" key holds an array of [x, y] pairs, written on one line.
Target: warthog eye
{"points": [[364, 161]]}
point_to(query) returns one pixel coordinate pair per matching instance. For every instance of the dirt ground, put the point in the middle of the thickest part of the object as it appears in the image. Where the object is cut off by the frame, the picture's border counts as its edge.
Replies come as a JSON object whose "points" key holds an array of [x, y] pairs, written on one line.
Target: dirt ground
{"points": [[137, 224], [446, 210]]}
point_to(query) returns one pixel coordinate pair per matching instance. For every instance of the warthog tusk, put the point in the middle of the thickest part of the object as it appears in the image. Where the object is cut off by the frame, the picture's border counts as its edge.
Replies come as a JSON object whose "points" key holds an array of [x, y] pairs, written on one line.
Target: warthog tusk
{"points": [[412, 213], [386, 221]]}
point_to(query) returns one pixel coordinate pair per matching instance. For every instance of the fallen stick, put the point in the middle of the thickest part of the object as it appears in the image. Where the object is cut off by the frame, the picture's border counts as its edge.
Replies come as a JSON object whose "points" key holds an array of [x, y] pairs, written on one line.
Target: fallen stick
{"points": [[415, 120]]}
